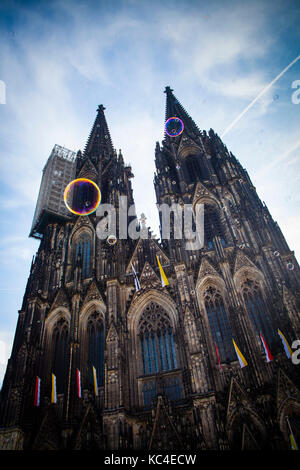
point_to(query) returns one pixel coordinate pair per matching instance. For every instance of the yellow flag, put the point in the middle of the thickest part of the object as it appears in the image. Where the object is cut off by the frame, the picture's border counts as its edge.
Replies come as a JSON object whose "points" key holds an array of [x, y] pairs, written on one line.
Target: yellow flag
{"points": [[53, 390], [95, 382], [240, 356], [286, 345], [293, 442], [164, 280]]}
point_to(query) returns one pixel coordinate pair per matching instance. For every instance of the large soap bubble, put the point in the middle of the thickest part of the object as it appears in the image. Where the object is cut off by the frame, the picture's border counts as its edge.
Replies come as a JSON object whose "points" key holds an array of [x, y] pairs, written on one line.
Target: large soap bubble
{"points": [[82, 196]]}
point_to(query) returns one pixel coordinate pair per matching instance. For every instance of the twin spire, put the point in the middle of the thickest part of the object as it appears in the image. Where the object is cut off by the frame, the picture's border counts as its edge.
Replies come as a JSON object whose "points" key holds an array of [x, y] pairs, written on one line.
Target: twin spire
{"points": [[99, 140]]}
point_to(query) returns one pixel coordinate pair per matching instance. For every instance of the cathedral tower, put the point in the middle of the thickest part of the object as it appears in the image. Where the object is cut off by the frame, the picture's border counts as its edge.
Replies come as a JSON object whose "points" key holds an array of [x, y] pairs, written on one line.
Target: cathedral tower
{"points": [[169, 375]]}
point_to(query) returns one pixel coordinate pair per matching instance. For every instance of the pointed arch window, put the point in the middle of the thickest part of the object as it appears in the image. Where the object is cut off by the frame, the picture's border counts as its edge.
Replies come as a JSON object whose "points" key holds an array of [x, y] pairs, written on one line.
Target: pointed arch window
{"points": [[95, 330], [83, 248], [219, 324], [212, 226], [157, 340], [192, 168], [60, 342], [149, 393], [159, 354], [257, 311]]}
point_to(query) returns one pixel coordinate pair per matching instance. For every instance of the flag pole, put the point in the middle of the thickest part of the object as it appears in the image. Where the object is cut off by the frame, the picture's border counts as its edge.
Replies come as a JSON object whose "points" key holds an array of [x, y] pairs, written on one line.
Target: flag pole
{"points": [[221, 370], [293, 440]]}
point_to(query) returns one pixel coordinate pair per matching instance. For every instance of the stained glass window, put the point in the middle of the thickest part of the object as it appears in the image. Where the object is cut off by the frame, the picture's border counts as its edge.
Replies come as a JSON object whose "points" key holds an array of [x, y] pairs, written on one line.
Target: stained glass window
{"points": [[96, 347], [257, 310], [83, 247], [60, 341], [212, 226], [219, 324], [157, 340]]}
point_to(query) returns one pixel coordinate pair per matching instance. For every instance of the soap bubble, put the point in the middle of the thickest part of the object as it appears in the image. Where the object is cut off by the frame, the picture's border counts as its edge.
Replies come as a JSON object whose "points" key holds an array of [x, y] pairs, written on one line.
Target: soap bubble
{"points": [[82, 196], [111, 239], [290, 266], [174, 126]]}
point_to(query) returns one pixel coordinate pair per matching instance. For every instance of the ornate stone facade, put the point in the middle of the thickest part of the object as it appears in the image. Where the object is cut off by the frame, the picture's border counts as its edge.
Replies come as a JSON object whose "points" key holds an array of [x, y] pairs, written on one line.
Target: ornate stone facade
{"points": [[168, 376]]}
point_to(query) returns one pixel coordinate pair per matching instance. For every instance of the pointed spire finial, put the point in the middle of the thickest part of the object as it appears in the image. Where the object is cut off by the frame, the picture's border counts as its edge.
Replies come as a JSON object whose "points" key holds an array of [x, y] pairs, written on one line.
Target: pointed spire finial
{"points": [[168, 89]]}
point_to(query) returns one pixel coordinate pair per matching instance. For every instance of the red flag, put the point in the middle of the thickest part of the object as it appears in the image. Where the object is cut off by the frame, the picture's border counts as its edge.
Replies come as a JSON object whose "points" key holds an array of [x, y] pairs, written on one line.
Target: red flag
{"points": [[218, 357], [267, 351], [36, 401], [78, 383]]}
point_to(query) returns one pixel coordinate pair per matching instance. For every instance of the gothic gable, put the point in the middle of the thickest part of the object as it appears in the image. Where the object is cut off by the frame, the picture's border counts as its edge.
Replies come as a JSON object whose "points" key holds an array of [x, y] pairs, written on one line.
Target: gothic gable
{"points": [[187, 147], [285, 389], [201, 192], [148, 278], [139, 247], [89, 433], [82, 222], [61, 300], [92, 294], [112, 334], [237, 398], [164, 434], [47, 437], [87, 170], [248, 440], [206, 269], [242, 261]]}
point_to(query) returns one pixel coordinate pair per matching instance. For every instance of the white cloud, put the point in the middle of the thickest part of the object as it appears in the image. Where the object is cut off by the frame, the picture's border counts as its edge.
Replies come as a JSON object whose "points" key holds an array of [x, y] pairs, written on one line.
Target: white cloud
{"points": [[6, 341], [221, 48]]}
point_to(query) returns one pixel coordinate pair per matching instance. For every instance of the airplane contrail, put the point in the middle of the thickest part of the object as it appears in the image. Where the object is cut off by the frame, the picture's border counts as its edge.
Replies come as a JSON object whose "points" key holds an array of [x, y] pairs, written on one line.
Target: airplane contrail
{"points": [[277, 160], [259, 95]]}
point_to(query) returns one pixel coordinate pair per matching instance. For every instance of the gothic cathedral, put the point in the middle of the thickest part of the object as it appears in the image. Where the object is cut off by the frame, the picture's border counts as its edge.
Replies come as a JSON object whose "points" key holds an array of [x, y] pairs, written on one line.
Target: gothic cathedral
{"points": [[196, 364]]}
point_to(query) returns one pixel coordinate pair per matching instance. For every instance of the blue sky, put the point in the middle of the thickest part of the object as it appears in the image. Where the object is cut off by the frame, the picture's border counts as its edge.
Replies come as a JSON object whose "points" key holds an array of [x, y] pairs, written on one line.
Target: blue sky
{"points": [[60, 59]]}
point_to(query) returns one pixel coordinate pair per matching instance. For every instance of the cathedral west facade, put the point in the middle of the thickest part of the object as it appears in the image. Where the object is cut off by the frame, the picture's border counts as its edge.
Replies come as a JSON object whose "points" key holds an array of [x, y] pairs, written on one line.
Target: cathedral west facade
{"points": [[168, 376]]}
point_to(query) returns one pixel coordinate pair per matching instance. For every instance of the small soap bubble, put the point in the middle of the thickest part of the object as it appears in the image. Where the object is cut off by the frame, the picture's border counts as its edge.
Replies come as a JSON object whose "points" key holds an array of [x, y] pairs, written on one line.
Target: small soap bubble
{"points": [[111, 240], [290, 266], [174, 126]]}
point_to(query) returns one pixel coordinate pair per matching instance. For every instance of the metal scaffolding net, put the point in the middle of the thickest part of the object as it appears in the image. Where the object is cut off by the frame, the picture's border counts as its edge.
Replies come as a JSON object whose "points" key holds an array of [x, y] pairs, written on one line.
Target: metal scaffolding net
{"points": [[57, 174]]}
